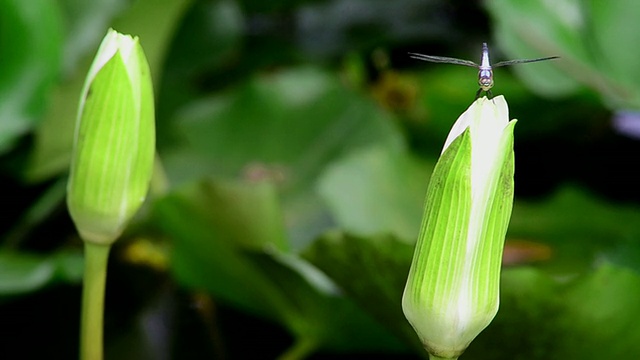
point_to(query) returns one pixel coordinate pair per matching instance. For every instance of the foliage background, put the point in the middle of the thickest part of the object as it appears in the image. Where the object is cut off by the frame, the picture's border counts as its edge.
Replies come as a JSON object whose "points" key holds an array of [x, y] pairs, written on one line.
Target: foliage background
{"points": [[295, 142]]}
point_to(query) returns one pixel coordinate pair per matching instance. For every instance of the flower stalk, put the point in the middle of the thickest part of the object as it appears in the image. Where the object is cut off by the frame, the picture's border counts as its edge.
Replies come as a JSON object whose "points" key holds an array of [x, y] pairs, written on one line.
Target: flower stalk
{"points": [[95, 278], [452, 291]]}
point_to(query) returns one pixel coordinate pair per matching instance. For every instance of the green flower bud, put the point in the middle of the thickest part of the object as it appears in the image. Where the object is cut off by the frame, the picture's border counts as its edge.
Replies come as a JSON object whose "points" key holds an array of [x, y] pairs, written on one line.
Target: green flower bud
{"points": [[114, 143], [452, 292]]}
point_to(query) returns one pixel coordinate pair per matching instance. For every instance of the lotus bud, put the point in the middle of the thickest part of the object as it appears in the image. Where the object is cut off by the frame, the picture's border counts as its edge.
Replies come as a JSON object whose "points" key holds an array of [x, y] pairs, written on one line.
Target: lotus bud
{"points": [[452, 292], [114, 142]]}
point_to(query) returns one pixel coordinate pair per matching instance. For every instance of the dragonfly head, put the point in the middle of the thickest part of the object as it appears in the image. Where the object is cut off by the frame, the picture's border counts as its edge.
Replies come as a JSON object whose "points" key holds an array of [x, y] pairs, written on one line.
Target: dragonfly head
{"points": [[485, 79]]}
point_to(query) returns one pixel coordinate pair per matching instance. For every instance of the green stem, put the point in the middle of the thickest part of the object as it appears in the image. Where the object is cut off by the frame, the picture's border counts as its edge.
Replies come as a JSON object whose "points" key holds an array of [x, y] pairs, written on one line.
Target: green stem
{"points": [[95, 276], [300, 350]]}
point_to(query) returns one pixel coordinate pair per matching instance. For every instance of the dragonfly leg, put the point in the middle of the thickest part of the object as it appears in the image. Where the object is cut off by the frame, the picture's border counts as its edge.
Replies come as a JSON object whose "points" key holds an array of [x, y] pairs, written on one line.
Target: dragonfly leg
{"points": [[488, 92]]}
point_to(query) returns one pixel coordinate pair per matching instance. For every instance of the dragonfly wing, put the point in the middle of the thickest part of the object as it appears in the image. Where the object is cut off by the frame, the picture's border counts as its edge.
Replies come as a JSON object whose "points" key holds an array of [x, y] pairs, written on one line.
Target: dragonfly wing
{"points": [[442, 59], [522, 61]]}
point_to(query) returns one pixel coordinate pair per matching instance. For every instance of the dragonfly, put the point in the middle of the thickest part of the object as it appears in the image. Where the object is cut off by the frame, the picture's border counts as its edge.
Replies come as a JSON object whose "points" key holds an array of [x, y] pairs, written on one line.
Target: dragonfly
{"points": [[485, 69]]}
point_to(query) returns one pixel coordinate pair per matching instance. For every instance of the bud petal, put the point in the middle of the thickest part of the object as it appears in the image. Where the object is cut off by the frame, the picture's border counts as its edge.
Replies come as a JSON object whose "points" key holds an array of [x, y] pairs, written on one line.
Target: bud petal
{"points": [[114, 141], [452, 292]]}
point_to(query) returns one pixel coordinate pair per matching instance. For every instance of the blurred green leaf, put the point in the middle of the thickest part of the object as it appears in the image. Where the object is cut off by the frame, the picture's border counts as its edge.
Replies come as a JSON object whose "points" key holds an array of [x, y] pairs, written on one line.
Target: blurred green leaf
{"points": [[272, 6], [209, 34], [300, 119], [613, 28], [39, 211], [590, 317], [601, 312], [288, 125], [377, 190], [210, 229], [30, 64], [372, 271], [595, 41], [210, 224], [204, 54], [219, 232], [313, 308], [526, 326], [579, 228], [624, 253], [22, 273]]}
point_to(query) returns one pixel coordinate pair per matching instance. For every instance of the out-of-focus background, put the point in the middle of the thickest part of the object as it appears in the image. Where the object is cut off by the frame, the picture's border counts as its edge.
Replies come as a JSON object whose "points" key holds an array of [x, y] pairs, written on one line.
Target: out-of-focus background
{"points": [[295, 143]]}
